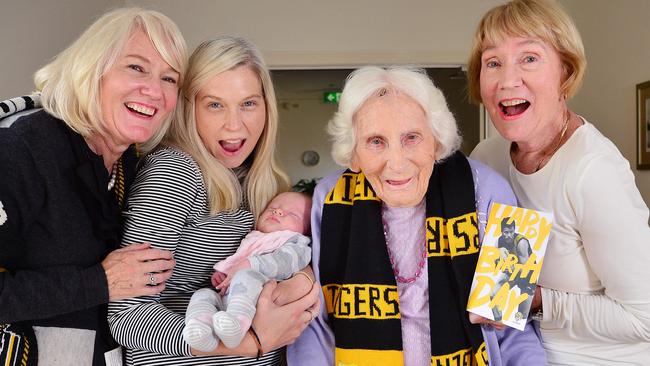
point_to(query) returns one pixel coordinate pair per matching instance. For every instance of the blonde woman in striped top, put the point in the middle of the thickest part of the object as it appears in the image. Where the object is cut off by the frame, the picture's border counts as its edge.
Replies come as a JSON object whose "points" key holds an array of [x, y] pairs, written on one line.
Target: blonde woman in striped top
{"points": [[198, 196]]}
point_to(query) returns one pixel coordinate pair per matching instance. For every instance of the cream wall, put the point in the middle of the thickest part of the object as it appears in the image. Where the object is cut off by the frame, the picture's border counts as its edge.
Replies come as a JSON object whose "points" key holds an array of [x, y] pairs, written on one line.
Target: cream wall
{"points": [[339, 33], [616, 35], [306, 33], [33, 31], [298, 33]]}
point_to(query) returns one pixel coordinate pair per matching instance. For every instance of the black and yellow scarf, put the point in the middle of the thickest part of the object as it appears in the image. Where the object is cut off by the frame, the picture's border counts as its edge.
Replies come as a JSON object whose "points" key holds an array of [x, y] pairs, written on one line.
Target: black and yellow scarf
{"points": [[359, 285]]}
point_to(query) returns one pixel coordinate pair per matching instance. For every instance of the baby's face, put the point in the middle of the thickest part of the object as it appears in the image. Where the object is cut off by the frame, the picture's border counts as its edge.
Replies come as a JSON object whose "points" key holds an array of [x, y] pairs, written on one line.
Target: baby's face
{"points": [[287, 211]]}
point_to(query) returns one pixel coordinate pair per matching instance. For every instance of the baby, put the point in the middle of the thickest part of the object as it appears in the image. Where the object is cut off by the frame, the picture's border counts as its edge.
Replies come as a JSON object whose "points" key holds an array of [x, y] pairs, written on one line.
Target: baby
{"points": [[276, 250]]}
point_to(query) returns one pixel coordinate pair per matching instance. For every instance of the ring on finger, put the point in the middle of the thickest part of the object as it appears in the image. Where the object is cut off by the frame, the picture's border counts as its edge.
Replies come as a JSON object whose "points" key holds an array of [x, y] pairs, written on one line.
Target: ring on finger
{"points": [[152, 279]]}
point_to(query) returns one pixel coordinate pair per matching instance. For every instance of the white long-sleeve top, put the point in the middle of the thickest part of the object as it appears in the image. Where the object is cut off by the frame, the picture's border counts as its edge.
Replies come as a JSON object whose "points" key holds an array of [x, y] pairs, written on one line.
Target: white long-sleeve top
{"points": [[596, 274]]}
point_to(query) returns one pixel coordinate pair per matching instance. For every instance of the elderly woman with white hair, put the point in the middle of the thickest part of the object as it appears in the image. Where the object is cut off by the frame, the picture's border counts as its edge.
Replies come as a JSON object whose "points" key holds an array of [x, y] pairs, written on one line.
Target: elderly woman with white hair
{"points": [[396, 235]]}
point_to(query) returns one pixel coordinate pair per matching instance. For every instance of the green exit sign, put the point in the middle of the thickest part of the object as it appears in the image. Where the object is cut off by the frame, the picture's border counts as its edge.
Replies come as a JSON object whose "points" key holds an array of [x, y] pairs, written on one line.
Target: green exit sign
{"points": [[331, 97]]}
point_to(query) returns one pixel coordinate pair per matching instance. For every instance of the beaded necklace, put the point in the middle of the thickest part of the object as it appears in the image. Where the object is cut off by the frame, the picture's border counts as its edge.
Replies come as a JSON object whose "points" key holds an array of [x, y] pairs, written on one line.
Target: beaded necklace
{"points": [[398, 277], [111, 182]]}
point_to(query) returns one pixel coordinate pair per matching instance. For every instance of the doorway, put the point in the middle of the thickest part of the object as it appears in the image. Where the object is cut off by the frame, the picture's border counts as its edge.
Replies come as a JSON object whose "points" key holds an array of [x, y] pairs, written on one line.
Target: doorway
{"points": [[304, 112]]}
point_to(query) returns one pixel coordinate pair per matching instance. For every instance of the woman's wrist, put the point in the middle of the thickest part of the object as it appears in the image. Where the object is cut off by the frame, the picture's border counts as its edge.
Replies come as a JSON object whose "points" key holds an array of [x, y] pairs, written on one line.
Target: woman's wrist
{"points": [[256, 339], [307, 276], [293, 288], [246, 348]]}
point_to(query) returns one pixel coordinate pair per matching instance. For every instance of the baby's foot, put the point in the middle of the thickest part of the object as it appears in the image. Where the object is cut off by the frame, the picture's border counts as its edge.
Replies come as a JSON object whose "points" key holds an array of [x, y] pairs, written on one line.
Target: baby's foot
{"points": [[199, 335], [228, 329]]}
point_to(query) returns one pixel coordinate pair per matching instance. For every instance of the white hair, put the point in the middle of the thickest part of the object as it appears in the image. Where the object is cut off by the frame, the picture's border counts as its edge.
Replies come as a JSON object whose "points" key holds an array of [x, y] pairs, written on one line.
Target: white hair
{"points": [[367, 81]]}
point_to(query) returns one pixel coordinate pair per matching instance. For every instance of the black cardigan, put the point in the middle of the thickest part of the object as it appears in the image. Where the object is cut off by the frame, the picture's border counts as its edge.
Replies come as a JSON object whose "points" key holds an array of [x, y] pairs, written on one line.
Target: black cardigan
{"points": [[61, 222]]}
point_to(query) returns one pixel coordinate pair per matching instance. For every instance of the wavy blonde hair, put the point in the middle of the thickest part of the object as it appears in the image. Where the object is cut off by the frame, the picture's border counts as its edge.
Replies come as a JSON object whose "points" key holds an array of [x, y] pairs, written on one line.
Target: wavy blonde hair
{"points": [[264, 178], [70, 84], [543, 19]]}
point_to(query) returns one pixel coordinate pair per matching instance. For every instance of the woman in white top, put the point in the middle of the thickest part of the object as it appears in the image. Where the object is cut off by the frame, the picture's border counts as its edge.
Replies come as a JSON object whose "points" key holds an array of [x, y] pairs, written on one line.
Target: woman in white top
{"points": [[526, 61]]}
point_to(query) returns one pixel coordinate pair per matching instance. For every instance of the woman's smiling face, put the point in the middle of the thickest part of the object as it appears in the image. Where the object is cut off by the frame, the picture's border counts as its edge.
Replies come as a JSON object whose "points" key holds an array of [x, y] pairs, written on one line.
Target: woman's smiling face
{"points": [[231, 115], [138, 92], [395, 148], [521, 86]]}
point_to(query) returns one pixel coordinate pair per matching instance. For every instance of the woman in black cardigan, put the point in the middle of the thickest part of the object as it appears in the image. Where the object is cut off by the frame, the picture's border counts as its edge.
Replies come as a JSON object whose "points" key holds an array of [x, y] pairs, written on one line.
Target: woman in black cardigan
{"points": [[66, 170]]}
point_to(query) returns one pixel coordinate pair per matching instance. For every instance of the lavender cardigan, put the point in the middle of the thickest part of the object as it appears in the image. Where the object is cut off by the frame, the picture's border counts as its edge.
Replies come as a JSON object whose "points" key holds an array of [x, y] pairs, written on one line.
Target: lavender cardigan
{"points": [[507, 347]]}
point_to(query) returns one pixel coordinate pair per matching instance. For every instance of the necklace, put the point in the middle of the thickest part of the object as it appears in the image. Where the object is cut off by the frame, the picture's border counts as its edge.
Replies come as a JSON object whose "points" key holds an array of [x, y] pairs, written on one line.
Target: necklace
{"points": [[557, 145], [111, 182], [398, 277]]}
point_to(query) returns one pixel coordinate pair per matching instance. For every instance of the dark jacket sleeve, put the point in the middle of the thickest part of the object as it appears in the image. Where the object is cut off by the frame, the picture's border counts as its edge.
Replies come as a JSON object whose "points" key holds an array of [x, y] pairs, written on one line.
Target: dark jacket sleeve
{"points": [[32, 285]]}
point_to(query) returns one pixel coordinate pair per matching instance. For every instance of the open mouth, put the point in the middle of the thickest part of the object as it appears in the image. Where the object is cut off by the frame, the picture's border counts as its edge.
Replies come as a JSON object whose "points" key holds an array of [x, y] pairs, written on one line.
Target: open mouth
{"points": [[140, 109], [231, 146], [514, 107]]}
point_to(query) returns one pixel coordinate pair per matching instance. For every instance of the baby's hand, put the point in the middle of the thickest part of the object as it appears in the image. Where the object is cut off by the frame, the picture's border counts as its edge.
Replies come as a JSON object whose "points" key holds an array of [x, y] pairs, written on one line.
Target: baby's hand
{"points": [[224, 280], [218, 278]]}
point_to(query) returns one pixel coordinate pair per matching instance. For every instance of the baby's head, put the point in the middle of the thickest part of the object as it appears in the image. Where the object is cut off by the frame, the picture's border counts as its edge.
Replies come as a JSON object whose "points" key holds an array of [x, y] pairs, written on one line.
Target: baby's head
{"points": [[286, 211]]}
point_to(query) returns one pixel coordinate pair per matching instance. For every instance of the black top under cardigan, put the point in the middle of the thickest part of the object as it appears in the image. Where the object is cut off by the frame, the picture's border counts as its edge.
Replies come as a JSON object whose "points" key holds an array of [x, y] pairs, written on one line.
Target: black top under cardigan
{"points": [[61, 222]]}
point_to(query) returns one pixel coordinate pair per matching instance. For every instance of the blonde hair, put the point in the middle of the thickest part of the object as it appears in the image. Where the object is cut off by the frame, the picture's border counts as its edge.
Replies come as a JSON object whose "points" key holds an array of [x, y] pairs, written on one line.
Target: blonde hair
{"points": [[543, 19], [364, 83], [70, 84], [264, 179]]}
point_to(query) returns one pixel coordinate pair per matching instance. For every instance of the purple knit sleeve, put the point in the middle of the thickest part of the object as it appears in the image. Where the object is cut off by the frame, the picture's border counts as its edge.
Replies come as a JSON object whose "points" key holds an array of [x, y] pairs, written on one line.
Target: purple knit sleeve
{"points": [[315, 346]]}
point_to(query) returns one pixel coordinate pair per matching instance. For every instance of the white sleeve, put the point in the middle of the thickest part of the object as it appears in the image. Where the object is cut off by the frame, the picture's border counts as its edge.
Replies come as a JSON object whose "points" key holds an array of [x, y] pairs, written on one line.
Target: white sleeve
{"points": [[159, 204], [613, 225]]}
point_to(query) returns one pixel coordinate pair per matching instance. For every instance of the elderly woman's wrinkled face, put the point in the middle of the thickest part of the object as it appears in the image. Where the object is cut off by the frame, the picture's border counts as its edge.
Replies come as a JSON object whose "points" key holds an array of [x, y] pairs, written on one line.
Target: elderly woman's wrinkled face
{"points": [[395, 148], [231, 115], [138, 92], [520, 86]]}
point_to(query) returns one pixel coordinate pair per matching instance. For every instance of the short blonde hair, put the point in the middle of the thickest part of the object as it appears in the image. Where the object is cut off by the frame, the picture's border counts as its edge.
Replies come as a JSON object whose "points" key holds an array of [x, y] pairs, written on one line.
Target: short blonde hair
{"points": [[70, 84], [365, 82], [264, 179], [543, 19]]}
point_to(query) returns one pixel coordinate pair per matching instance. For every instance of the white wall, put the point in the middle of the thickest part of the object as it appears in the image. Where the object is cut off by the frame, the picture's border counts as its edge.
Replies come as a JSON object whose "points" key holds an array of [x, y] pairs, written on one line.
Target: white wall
{"points": [[309, 33], [336, 32], [312, 34], [34, 31], [303, 117], [304, 129], [616, 35]]}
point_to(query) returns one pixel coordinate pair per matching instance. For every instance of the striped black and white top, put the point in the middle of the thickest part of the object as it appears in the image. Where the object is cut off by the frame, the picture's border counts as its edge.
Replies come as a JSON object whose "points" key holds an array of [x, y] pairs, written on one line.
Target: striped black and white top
{"points": [[168, 207]]}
